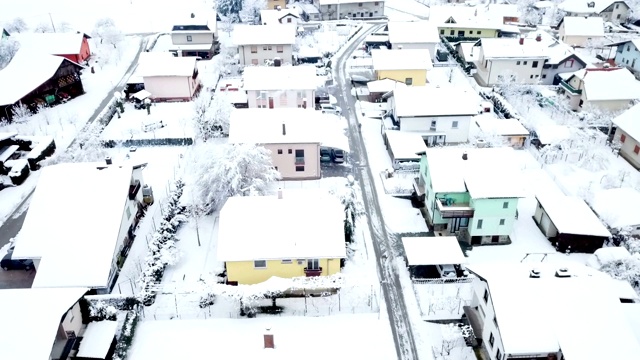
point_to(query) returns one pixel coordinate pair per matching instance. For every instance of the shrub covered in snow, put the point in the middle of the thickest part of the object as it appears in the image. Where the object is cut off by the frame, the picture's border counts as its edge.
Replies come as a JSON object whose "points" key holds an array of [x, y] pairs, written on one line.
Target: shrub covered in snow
{"points": [[353, 206], [45, 147], [126, 335], [104, 307], [19, 171]]}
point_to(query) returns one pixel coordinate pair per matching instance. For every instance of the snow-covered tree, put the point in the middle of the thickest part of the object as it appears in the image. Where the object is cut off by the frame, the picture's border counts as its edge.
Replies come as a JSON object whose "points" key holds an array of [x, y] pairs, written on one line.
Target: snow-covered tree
{"points": [[211, 115], [21, 113], [625, 269], [353, 206], [222, 171], [87, 147], [229, 8], [251, 10], [17, 25], [528, 13], [451, 339], [64, 27], [43, 27], [8, 49], [108, 33]]}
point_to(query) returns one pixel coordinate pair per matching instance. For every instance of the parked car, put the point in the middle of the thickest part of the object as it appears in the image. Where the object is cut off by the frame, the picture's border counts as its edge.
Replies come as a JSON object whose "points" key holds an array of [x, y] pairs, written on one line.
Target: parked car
{"points": [[8, 263], [330, 109], [446, 271], [325, 155], [337, 156]]}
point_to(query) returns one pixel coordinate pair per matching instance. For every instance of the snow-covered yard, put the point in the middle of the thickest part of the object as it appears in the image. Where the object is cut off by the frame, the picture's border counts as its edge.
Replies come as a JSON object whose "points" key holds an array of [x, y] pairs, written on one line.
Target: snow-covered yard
{"points": [[328, 39], [442, 301], [166, 121]]}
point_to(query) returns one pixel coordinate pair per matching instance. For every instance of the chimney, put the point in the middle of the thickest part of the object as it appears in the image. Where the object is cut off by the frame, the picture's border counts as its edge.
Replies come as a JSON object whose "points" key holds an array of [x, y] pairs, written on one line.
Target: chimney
{"points": [[539, 37], [280, 193], [521, 40], [465, 156], [284, 129], [534, 274], [108, 160], [268, 339]]}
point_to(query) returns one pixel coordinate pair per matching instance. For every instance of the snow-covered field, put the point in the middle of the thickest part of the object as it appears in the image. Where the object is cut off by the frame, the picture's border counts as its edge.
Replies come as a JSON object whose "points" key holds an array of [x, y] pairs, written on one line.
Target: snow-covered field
{"points": [[166, 121]]}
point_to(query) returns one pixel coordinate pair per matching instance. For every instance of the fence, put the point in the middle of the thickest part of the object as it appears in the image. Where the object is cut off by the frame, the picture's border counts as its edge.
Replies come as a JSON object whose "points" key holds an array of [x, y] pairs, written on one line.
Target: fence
{"points": [[463, 280]]}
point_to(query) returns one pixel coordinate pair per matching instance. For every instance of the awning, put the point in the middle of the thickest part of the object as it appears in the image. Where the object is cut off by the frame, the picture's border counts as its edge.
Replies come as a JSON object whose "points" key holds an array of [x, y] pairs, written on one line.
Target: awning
{"points": [[439, 250], [141, 95]]}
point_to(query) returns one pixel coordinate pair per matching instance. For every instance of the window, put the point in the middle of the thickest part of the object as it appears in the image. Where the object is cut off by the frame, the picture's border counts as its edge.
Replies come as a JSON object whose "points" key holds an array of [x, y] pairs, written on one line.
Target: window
{"points": [[269, 48], [524, 63], [495, 321], [517, 62], [486, 62], [485, 297], [408, 81], [328, 6], [441, 32], [505, 205], [470, 32], [619, 15], [589, 39], [279, 151], [537, 76], [544, 76], [289, 151], [479, 32], [433, 124], [501, 222], [254, 50], [568, 63], [288, 20], [299, 168], [260, 264], [534, 64], [454, 124], [287, 261], [299, 157], [479, 226], [452, 32], [376, 3], [189, 38], [491, 340], [254, 61], [128, 213], [498, 354], [264, 47], [623, 137], [359, 4], [628, 48], [280, 49], [530, 76], [636, 149], [313, 264], [617, 6]]}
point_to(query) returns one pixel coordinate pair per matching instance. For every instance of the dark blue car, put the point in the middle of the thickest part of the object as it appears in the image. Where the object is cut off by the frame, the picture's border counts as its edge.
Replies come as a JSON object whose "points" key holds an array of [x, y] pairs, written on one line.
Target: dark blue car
{"points": [[8, 263]]}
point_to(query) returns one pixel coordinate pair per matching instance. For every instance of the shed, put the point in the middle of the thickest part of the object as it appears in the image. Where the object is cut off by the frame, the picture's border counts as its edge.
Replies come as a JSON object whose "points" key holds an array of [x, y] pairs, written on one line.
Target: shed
{"points": [[439, 250], [98, 341], [569, 223], [170, 78], [377, 88], [403, 147], [618, 208]]}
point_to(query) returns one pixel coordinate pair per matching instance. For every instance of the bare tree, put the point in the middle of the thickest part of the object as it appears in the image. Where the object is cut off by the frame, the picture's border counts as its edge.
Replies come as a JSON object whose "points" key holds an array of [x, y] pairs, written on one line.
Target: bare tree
{"points": [[106, 30], [17, 25], [43, 27], [8, 49], [21, 113]]}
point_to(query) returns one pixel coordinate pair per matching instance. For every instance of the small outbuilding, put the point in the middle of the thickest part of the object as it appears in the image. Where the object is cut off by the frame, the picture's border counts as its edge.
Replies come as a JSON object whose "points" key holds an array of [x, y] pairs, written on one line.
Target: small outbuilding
{"points": [[424, 254], [511, 131], [618, 208], [569, 223], [377, 88], [404, 147], [170, 78]]}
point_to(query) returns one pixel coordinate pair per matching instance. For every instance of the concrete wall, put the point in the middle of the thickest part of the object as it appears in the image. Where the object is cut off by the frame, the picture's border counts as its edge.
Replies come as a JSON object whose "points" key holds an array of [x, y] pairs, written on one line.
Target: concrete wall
{"points": [[73, 320], [285, 162], [263, 53], [565, 67], [628, 56], [453, 30], [491, 212], [281, 99], [245, 273], [627, 148]]}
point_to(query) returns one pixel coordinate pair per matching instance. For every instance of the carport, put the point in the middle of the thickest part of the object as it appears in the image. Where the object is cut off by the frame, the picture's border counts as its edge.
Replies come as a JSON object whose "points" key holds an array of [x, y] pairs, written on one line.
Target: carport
{"points": [[423, 253]]}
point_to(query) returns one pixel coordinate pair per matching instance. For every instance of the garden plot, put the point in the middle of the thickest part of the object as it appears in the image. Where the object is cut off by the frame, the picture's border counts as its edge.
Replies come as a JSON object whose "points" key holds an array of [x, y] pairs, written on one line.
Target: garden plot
{"points": [[166, 121], [443, 301], [399, 182], [328, 39]]}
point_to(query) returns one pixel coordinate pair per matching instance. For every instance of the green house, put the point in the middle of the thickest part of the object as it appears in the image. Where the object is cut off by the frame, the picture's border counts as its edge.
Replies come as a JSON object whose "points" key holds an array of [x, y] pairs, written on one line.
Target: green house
{"points": [[472, 192]]}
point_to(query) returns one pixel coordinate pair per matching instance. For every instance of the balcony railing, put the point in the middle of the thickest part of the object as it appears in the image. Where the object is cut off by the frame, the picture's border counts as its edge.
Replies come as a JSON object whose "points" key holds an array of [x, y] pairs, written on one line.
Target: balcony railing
{"points": [[570, 88], [299, 160], [312, 272], [456, 210], [134, 189]]}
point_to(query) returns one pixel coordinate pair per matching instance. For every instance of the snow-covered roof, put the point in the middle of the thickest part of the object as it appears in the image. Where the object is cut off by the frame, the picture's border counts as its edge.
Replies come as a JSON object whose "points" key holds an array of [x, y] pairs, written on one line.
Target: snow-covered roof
{"points": [[571, 215], [165, 66], [413, 32], [583, 318], [276, 126], [507, 185], [582, 6], [628, 122], [306, 7], [432, 100], [333, 2], [449, 172], [402, 59], [556, 50], [272, 16], [202, 17], [286, 228], [592, 26], [51, 43], [36, 312], [498, 12], [552, 133], [468, 52], [281, 34], [280, 78], [605, 84], [384, 85], [97, 339], [439, 250], [475, 17], [25, 72], [7, 135], [543, 4], [405, 145], [619, 207], [74, 238], [500, 48], [503, 127], [632, 313]]}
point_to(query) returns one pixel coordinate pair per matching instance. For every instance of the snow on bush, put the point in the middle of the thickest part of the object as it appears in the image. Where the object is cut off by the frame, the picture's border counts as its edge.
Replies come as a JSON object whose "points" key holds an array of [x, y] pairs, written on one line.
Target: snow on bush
{"points": [[87, 147], [211, 114], [353, 206], [126, 335], [625, 269], [8, 48]]}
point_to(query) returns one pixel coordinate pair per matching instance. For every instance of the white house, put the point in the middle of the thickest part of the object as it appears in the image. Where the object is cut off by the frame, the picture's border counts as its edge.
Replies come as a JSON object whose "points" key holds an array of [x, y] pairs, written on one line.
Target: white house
{"points": [[607, 89], [414, 35], [279, 16], [170, 78], [196, 35], [80, 224], [280, 86], [582, 31], [504, 59], [609, 10], [341, 9], [440, 114], [619, 208], [562, 58], [628, 135], [264, 44], [547, 310]]}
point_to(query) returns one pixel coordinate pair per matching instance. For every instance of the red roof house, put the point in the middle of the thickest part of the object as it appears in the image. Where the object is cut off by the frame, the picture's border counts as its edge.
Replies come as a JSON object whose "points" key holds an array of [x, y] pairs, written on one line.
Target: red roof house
{"points": [[72, 46]]}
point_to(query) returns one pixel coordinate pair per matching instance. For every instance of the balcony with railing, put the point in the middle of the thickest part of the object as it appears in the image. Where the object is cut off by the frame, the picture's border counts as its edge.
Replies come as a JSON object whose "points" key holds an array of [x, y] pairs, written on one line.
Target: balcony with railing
{"points": [[134, 189], [299, 160], [454, 210], [565, 85], [312, 272]]}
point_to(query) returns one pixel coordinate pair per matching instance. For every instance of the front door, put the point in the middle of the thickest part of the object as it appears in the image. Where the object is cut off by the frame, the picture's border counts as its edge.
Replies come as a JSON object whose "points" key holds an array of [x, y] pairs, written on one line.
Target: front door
{"points": [[270, 103]]}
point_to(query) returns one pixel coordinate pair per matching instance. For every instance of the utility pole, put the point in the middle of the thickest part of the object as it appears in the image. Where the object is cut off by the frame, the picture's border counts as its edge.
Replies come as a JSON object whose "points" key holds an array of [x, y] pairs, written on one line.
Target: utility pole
{"points": [[338, 16], [52, 25]]}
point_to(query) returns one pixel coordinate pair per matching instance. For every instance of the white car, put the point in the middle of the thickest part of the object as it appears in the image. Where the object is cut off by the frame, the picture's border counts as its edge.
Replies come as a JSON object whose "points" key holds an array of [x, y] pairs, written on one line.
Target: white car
{"points": [[330, 109], [446, 271]]}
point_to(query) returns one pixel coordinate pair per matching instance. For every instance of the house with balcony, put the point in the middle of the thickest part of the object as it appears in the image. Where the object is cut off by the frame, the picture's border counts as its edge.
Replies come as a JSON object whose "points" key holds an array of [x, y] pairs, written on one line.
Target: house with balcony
{"points": [[607, 89], [551, 310], [472, 193], [414, 35], [562, 58], [53, 324], [509, 59], [353, 9], [614, 11], [272, 87], [628, 55], [280, 15], [606, 204], [196, 35], [582, 31], [81, 221], [296, 233], [409, 66], [628, 135], [293, 136], [428, 111], [264, 44]]}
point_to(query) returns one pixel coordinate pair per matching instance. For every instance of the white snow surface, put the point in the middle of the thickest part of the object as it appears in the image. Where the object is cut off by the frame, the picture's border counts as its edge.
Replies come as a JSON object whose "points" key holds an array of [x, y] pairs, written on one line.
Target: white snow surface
{"points": [[97, 339], [51, 43], [175, 117], [167, 66], [602, 84], [430, 100], [628, 122], [618, 207], [533, 322], [592, 26], [25, 311], [384, 85], [280, 78], [280, 34], [503, 127], [439, 250], [413, 32], [284, 228], [607, 254], [404, 59], [571, 215], [405, 145], [493, 48]]}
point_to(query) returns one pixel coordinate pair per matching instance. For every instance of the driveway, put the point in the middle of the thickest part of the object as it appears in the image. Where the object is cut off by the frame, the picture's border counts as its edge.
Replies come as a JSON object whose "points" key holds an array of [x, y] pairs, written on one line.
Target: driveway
{"points": [[16, 279]]}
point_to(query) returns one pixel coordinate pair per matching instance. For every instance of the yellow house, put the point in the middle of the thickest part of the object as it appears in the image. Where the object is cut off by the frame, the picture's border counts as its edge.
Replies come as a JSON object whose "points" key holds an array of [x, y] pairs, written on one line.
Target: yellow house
{"points": [[273, 4], [294, 234], [467, 21], [408, 66], [469, 30]]}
